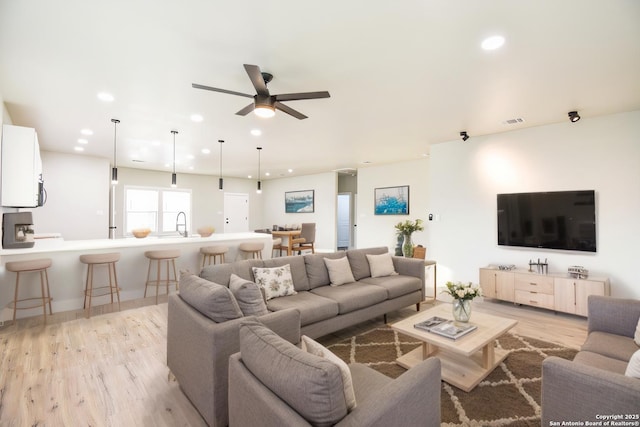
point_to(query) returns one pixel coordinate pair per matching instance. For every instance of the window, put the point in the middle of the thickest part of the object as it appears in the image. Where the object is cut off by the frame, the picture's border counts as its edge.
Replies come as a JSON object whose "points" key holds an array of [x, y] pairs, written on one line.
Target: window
{"points": [[155, 208]]}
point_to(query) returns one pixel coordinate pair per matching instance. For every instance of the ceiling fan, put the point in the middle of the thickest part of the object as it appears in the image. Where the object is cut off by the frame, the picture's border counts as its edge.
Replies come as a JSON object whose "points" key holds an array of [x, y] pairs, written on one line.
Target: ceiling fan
{"points": [[264, 104]]}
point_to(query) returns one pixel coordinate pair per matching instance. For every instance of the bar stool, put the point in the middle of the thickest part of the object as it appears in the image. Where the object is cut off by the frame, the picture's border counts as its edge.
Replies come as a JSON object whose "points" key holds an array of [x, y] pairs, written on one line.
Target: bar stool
{"points": [[252, 249], [32, 266], [213, 251], [162, 256], [107, 260]]}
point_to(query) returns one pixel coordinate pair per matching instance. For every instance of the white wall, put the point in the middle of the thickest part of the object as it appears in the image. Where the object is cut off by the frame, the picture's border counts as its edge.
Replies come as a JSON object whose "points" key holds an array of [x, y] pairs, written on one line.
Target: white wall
{"points": [[76, 203], [601, 153], [325, 186], [378, 230]]}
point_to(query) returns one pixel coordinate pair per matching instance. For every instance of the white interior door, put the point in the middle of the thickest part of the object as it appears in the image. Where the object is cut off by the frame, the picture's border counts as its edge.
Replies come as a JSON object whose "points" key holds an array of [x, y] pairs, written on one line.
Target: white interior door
{"points": [[344, 220], [236, 212]]}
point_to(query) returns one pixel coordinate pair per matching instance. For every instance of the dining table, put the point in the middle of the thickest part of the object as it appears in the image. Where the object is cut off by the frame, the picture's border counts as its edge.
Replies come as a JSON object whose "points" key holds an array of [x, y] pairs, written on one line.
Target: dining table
{"points": [[287, 235]]}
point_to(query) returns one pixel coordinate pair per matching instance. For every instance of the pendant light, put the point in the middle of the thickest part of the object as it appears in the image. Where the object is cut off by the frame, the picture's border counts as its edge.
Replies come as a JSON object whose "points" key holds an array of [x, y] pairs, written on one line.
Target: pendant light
{"points": [[220, 180], [259, 190], [174, 178], [114, 169]]}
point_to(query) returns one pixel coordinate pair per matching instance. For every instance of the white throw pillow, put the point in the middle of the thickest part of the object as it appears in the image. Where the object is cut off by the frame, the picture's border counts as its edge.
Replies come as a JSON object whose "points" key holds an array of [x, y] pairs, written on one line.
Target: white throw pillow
{"points": [[276, 282], [633, 368], [339, 271], [315, 348], [636, 336], [381, 265]]}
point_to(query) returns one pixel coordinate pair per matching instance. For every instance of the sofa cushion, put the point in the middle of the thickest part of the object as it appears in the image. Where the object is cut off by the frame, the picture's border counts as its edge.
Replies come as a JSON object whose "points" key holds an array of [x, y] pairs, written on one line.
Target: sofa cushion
{"points": [[636, 336], [395, 285], [275, 282], [221, 273], [248, 296], [313, 347], [313, 308], [352, 296], [359, 263], [211, 299], [599, 361], [298, 270], [381, 265], [312, 385], [317, 270], [633, 368], [339, 271], [610, 345]]}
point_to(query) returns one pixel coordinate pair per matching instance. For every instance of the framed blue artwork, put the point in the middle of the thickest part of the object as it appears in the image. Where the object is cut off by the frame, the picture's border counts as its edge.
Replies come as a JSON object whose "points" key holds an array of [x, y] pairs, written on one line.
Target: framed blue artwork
{"points": [[391, 200]]}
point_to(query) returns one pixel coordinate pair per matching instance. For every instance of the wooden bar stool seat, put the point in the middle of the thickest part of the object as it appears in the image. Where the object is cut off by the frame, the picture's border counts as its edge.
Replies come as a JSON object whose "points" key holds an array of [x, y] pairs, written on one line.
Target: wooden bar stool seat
{"points": [[215, 252], [168, 257], [106, 260], [31, 266], [252, 249]]}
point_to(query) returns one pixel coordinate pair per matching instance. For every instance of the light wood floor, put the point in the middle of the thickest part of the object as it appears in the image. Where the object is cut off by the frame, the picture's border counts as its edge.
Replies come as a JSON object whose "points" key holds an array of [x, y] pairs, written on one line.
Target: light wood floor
{"points": [[110, 370]]}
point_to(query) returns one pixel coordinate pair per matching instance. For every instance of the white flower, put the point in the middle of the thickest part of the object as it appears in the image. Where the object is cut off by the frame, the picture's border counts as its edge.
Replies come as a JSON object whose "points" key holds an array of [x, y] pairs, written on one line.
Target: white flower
{"points": [[461, 293]]}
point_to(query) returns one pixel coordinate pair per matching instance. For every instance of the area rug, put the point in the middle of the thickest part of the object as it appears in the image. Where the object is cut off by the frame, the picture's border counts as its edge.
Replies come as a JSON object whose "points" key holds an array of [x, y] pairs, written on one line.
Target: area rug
{"points": [[509, 396]]}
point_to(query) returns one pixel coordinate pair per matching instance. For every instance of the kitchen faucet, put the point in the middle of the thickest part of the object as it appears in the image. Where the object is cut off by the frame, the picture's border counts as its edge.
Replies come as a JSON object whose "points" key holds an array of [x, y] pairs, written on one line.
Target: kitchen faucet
{"points": [[184, 224]]}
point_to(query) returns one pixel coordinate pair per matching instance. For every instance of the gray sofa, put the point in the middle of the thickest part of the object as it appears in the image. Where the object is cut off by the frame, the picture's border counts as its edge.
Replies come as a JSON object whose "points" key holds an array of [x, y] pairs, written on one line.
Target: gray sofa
{"points": [[325, 309], [594, 384], [198, 348], [312, 392]]}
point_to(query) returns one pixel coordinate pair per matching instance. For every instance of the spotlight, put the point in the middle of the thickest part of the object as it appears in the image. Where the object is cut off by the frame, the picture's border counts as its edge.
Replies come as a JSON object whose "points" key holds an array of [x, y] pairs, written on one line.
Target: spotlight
{"points": [[464, 135], [574, 116]]}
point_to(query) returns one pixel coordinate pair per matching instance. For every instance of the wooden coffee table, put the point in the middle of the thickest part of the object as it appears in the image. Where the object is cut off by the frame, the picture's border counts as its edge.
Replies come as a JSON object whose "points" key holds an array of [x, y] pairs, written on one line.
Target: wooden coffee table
{"points": [[465, 361]]}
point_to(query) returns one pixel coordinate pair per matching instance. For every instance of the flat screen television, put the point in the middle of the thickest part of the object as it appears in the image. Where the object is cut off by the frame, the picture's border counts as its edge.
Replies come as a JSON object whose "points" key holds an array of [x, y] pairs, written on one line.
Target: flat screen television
{"points": [[550, 220]]}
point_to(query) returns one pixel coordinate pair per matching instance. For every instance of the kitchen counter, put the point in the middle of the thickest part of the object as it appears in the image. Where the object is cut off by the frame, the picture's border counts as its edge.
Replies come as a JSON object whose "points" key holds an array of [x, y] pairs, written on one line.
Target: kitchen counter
{"points": [[67, 274]]}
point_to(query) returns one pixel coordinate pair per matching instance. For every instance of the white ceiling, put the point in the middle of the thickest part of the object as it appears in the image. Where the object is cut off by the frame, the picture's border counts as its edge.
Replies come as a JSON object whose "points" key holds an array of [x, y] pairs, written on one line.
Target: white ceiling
{"points": [[402, 75]]}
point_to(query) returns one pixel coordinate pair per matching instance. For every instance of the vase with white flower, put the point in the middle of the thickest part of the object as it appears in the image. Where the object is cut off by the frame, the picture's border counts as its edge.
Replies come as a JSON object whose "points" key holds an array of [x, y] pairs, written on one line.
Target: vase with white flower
{"points": [[462, 295], [406, 230]]}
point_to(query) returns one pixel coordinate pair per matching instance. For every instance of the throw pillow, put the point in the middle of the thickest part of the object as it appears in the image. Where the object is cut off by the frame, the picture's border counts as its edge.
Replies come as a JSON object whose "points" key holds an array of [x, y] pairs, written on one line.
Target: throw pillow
{"points": [[636, 336], [276, 282], [313, 347], [248, 296], [211, 299], [310, 384], [381, 265], [339, 271], [633, 368]]}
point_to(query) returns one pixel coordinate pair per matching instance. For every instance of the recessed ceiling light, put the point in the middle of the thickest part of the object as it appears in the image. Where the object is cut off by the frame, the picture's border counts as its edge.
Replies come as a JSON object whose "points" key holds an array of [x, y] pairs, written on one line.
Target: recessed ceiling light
{"points": [[206, 151], [267, 174], [256, 132], [78, 148], [166, 165], [290, 170], [190, 168], [106, 97], [249, 176], [86, 132], [196, 118], [82, 141], [190, 156], [492, 43]]}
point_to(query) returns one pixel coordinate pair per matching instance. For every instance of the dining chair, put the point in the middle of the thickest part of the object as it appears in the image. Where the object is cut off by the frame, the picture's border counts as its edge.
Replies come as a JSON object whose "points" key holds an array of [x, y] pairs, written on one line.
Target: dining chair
{"points": [[306, 239]]}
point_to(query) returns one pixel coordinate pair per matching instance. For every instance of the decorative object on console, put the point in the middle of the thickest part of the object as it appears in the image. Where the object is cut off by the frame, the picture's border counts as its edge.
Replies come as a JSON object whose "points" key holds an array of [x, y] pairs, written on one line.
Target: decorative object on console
{"points": [[578, 272], [462, 295], [506, 267], [541, 267], [391, 200], [406, 229]]}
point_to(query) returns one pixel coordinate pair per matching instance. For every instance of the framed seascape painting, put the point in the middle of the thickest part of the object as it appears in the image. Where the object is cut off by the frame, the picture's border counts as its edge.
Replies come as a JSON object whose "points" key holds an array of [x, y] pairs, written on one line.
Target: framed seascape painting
{"points": [[299, 201], [392, 200]]}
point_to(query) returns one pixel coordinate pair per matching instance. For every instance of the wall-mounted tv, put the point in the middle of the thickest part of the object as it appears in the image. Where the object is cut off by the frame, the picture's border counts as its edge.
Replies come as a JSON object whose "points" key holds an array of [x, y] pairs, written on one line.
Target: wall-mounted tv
{"points": [[550, 220]]}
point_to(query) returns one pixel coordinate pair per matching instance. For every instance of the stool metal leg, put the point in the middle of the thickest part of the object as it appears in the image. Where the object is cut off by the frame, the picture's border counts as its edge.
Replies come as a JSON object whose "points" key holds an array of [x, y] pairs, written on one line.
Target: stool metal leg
{"points": [[15, 298]]}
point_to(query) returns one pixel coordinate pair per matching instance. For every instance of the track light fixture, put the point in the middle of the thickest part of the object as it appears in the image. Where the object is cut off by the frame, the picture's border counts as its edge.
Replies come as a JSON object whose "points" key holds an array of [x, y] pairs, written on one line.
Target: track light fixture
{"points": [[464, 135], [174, 177], [220, 180], [259, 189], [574, 116], [114, 169]]}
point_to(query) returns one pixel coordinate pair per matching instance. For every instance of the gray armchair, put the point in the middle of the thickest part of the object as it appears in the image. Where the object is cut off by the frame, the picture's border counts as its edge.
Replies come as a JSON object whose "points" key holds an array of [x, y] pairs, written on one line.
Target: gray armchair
{"points": [[277, 384], [594, 382], [198, 351]]}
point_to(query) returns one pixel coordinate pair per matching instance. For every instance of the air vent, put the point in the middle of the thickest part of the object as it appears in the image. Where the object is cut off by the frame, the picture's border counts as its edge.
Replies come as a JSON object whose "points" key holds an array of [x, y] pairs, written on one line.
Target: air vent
{"points": [[347, 171], [137, 161], [515, 121]]}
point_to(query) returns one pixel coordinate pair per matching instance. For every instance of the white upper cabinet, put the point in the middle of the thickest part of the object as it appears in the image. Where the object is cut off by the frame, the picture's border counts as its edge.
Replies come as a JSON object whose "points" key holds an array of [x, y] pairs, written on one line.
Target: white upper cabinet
{"points": [[21, 166]]}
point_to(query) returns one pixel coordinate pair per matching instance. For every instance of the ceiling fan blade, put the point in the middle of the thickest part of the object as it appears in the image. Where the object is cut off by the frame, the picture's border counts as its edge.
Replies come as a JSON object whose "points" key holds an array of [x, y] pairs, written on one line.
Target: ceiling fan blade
{"points": [[256, 79], [215, 89], [246, 110], [305, 95], [298, 115]]}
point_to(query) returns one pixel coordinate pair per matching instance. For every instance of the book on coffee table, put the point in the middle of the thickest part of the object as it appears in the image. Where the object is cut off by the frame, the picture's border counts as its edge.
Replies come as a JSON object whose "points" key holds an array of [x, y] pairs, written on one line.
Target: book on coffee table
{"points": [[430, 323], [452, 329]]}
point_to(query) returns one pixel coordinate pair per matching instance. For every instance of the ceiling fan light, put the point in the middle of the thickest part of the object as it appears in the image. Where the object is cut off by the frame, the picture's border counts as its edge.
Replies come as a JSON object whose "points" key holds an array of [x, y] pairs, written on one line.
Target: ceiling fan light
{"points": [[265, 111]]}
